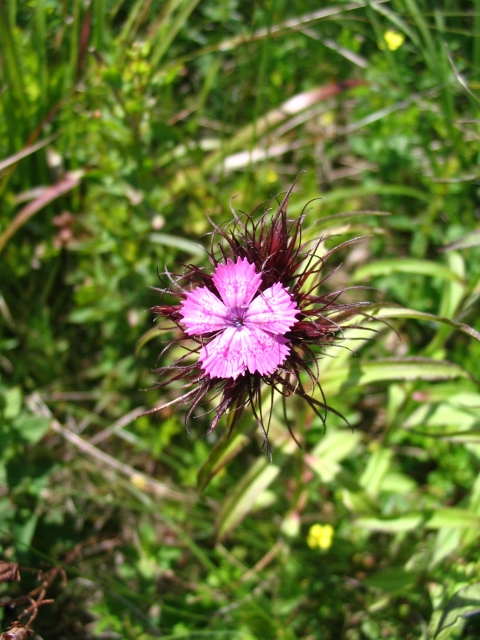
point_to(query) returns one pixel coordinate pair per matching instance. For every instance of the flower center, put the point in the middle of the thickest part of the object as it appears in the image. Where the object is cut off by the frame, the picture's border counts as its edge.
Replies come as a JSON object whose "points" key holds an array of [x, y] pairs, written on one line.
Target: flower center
{"points": [[236, 316]]}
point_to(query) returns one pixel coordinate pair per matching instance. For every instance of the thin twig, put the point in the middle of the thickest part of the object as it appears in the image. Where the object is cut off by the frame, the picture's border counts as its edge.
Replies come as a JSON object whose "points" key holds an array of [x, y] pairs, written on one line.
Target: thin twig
{"points": [[117, 425], [139, 479], [263, 562]]}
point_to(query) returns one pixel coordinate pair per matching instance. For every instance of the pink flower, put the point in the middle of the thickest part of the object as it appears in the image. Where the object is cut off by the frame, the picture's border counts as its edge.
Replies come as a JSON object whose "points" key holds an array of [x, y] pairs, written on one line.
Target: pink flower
{"points": [[260, 319], [251, 330]]}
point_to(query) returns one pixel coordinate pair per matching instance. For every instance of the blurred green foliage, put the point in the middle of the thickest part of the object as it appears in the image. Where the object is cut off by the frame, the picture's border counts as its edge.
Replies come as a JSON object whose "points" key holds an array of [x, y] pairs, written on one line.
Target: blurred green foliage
{"points": [[122, 125]]}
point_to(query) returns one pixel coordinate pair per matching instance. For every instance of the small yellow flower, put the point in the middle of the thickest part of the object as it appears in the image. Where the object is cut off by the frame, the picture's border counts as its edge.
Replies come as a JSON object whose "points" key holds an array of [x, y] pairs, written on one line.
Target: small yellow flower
{"points": [[393, 40], [321, 536]]}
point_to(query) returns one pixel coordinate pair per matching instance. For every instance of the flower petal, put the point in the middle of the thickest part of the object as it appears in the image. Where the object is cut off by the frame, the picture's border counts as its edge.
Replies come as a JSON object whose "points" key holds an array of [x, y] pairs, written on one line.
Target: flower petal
{"points": [[203, 312], [237, 283], [223, 356], [262, 351], [273, 310]]}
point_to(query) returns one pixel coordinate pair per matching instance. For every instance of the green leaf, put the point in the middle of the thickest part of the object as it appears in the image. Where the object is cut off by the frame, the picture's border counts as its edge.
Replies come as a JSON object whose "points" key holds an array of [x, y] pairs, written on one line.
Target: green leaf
{"points": [[377, 467], [445, 517], [393, 580], [31, 429], [405, 265], [224, 450], [355, 498], [463, 604], [390, 313], [23, 530], [377, 189], [144, 339], [408, 522], [357, 374], [182, 244], [13, 403], [336, 445], [399, 483], [453, 517], [329, 221], [242, 499], [447, 541], [232, 441], [454, 292], [461, 411]]}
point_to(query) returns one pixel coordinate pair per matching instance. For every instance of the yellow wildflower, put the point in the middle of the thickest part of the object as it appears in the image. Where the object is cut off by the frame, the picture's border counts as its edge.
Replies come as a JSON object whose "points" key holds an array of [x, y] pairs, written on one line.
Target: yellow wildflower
{"points": [[393, 40], [320, 535]]}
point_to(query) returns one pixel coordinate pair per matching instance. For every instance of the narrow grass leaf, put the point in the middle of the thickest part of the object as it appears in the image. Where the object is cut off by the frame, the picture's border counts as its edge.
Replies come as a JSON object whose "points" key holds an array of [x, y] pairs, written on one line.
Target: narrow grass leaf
{"points": [[375, 471], [145, 338], [224, 450], [336, 445], [11, 57], [377, 189], [437, 519], [468, 437], [447, 541], [166, 32], [332, 221], [405, 265], [183, 244], [463, 604], [357, 374], [461, 411], [390, 313], [476, 34], [241, 500]]}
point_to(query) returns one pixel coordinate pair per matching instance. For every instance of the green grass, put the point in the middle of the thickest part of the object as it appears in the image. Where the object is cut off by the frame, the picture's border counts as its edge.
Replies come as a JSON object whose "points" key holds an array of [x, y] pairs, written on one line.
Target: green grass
{"points": [[164, 112]]}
